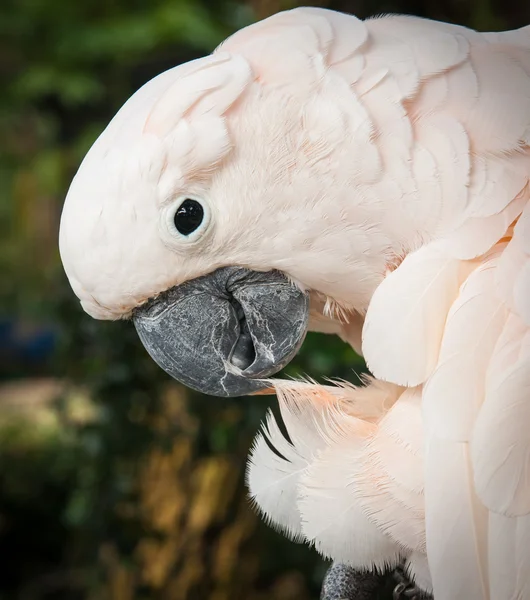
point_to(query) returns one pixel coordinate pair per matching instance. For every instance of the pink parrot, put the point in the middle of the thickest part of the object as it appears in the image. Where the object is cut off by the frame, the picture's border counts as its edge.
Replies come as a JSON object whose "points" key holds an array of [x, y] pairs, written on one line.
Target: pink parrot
{"points": [[362, 178]]}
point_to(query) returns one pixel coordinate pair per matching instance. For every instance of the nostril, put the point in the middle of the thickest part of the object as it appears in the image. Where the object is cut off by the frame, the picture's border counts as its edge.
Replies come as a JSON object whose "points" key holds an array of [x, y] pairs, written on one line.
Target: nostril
{"points": [[244, 353]]}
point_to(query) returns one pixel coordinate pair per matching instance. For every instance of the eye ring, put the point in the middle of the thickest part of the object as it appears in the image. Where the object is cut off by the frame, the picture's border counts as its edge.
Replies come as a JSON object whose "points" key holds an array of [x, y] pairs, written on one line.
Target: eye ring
{"points": [[187, 218]]}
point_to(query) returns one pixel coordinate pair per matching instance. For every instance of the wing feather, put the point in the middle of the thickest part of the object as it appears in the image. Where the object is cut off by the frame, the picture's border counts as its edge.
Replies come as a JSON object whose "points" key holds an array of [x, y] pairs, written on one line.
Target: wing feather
{"points": [[390, 484], [455, 522], [501, 442], [408, 310], [453, 395]]}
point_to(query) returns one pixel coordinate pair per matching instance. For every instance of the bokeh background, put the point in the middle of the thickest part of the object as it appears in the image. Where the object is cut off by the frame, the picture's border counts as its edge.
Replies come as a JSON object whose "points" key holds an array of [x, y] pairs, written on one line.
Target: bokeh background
{"points": [[115, 482]]}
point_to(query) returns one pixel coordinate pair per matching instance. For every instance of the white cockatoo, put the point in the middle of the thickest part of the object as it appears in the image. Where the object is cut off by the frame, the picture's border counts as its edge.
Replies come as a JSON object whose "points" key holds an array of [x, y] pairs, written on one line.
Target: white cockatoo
{"points": [[363, 178]]}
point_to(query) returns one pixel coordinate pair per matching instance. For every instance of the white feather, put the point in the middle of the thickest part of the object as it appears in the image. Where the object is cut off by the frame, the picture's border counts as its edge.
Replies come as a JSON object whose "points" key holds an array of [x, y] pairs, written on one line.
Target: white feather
{"points": [[276, 464], [390, 484], [273, 475], [333, 518], [456, 524], [455, 391], [509, 558], [501, 557], [327, 496], [417, 567], [500, 443], [477, 235], [408, 311], [272, 479]]}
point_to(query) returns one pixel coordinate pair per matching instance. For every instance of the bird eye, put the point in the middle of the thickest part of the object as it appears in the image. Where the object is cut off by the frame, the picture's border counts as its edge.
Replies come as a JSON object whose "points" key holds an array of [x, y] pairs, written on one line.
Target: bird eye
{"points": [[188, 216], [184, 221]]}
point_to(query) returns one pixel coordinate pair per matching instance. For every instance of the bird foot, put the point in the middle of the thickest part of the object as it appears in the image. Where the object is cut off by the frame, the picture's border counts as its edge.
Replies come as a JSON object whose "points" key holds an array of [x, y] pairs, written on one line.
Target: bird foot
{"points": [[346, 583]]}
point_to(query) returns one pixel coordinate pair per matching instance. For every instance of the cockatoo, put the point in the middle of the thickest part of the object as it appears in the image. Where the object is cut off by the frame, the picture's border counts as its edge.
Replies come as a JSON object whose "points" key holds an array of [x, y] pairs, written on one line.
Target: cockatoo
{"points": [[368, 179]]}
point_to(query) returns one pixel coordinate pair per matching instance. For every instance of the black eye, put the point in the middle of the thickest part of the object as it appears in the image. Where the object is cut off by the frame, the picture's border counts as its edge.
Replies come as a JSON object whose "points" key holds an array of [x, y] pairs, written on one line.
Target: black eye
{"points": [[189, 216]]}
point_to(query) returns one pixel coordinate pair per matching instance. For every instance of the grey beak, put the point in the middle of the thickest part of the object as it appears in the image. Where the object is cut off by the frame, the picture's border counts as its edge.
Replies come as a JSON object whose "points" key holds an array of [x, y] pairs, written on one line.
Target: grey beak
{"points": [[223, 333]]}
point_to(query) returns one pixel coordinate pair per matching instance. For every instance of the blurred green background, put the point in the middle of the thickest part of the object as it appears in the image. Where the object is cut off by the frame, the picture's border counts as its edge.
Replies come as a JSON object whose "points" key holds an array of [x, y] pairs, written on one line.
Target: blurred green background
{"points": [[115, 482]]}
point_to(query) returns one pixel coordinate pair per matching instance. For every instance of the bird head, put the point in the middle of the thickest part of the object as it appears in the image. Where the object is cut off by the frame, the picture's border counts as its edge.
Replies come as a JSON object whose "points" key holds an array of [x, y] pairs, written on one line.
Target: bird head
{"points": [[214, 208]]}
